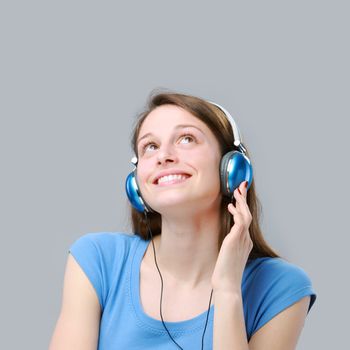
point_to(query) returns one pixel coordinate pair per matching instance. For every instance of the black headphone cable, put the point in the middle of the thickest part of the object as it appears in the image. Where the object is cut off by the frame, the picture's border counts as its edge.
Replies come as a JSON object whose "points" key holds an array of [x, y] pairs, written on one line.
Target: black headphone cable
{"points": [[161, 293]]}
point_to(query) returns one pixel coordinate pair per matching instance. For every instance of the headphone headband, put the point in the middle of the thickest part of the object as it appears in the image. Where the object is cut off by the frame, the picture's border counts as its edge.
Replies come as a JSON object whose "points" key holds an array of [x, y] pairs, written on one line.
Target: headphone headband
{"points": [[236, 133]]}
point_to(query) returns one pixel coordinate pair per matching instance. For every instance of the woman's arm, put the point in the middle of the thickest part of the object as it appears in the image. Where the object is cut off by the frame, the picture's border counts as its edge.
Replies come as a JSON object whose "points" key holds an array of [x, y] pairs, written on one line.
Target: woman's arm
{"points": [[229, 326], [280, 333], [283, 330], [77, 327]]}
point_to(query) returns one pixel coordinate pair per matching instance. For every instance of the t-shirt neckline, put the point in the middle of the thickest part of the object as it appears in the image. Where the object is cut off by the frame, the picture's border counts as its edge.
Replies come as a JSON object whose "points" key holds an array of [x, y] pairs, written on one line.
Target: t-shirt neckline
{"points": [[187, 326]]}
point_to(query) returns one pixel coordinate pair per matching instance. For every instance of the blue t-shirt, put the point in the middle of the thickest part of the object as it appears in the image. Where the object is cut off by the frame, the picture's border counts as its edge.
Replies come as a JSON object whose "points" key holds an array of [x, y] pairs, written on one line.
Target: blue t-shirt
{"points": [[111, 261]]}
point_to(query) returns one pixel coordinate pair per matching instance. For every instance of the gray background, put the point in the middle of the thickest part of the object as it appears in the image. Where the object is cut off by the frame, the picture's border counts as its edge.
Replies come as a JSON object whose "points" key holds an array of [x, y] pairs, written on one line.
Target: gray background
{"points": [[74, 74]]}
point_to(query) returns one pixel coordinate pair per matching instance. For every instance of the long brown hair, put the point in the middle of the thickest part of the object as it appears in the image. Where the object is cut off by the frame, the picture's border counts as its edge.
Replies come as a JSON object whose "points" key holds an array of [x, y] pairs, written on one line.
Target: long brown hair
{"points": [[217, 122]]}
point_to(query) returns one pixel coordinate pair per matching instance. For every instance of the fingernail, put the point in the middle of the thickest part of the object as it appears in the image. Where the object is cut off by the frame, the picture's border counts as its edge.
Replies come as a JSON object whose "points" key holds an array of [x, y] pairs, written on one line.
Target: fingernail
{"points": [[239, 190], [246, 184]]}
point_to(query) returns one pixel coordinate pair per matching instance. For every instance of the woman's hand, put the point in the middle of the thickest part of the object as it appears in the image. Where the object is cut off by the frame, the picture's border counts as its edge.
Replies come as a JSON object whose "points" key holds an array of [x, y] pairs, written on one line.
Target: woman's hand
{"points": [[235, 248]]}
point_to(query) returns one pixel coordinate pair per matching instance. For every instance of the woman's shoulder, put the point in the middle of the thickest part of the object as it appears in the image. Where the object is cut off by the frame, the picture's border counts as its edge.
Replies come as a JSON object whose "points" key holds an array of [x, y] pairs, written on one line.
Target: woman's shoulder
{"points": [[272, 268], [270, 286], [102, 237], [105, 244], [278, 278], [108, 237], [103, 256]]}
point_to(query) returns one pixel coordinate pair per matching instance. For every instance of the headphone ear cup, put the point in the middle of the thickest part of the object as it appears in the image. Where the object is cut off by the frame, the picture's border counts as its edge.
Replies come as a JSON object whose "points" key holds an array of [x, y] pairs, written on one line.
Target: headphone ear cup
{"points": [[235, 167], [134, 194]]}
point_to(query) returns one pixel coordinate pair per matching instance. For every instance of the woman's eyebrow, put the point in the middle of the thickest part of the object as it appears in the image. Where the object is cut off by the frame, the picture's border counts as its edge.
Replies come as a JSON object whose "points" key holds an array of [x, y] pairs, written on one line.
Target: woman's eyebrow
{"points": [[180, 126]]}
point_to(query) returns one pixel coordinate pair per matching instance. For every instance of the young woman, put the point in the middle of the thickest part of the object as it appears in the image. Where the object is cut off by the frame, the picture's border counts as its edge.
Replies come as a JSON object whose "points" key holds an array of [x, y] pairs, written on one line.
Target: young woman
{"points": [[196, 273]]}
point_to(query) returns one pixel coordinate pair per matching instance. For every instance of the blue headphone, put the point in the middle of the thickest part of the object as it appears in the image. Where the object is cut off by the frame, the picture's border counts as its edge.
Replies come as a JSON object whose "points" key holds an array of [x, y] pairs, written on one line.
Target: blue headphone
{"points": [[235, 167]]}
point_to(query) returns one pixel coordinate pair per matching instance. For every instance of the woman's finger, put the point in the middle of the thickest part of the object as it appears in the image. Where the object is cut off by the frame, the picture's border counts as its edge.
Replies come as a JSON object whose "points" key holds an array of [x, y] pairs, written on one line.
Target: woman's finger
{"points": [[231, 208], [242, 205], [239, 220], [234, 211], [244, 188]]}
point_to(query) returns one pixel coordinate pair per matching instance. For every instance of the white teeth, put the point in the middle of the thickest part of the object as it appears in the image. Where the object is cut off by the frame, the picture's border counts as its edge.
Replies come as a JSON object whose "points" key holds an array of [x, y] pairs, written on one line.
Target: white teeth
{"points": [[171, 177]]}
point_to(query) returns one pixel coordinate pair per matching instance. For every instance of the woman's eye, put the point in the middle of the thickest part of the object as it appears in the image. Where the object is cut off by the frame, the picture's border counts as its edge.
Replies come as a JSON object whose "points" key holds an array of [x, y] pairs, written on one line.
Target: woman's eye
{"points": [[151, 146], [188, 137], [147, 146]]}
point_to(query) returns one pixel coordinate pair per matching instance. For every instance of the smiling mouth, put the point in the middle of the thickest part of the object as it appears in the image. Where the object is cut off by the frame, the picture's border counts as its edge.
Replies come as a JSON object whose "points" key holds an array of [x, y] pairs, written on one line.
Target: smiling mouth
{"points": [[172, 179]]}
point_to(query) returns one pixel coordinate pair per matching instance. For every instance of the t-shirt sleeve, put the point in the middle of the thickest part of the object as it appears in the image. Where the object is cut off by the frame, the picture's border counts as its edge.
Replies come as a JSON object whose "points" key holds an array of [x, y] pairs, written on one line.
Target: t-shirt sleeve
{"points": [[277, 285], [87, 250]]}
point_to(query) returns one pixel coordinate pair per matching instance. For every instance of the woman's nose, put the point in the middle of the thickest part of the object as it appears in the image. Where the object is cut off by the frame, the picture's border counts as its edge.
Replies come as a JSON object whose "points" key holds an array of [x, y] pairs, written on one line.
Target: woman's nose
{"points": [[166, 156]]}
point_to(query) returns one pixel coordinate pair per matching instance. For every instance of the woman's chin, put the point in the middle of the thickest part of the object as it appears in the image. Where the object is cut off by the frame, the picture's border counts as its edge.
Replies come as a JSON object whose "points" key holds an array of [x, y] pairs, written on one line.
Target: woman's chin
{"points": [[177, 208], [189, 204], [171, 206]]}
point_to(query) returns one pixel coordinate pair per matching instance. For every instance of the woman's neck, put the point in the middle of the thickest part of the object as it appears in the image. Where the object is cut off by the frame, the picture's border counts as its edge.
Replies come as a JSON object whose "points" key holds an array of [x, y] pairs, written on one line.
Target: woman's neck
{"points": [[186, 249]]}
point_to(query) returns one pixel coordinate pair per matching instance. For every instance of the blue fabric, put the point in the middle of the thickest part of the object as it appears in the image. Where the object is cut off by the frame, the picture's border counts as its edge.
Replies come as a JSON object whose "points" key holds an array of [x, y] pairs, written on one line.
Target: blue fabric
{"points": [[111, 261]]}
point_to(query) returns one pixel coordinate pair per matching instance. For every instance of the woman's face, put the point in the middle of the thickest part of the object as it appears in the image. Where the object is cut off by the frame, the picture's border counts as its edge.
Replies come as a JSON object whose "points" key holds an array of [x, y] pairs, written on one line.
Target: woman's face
{"points": [[178, 162]]}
